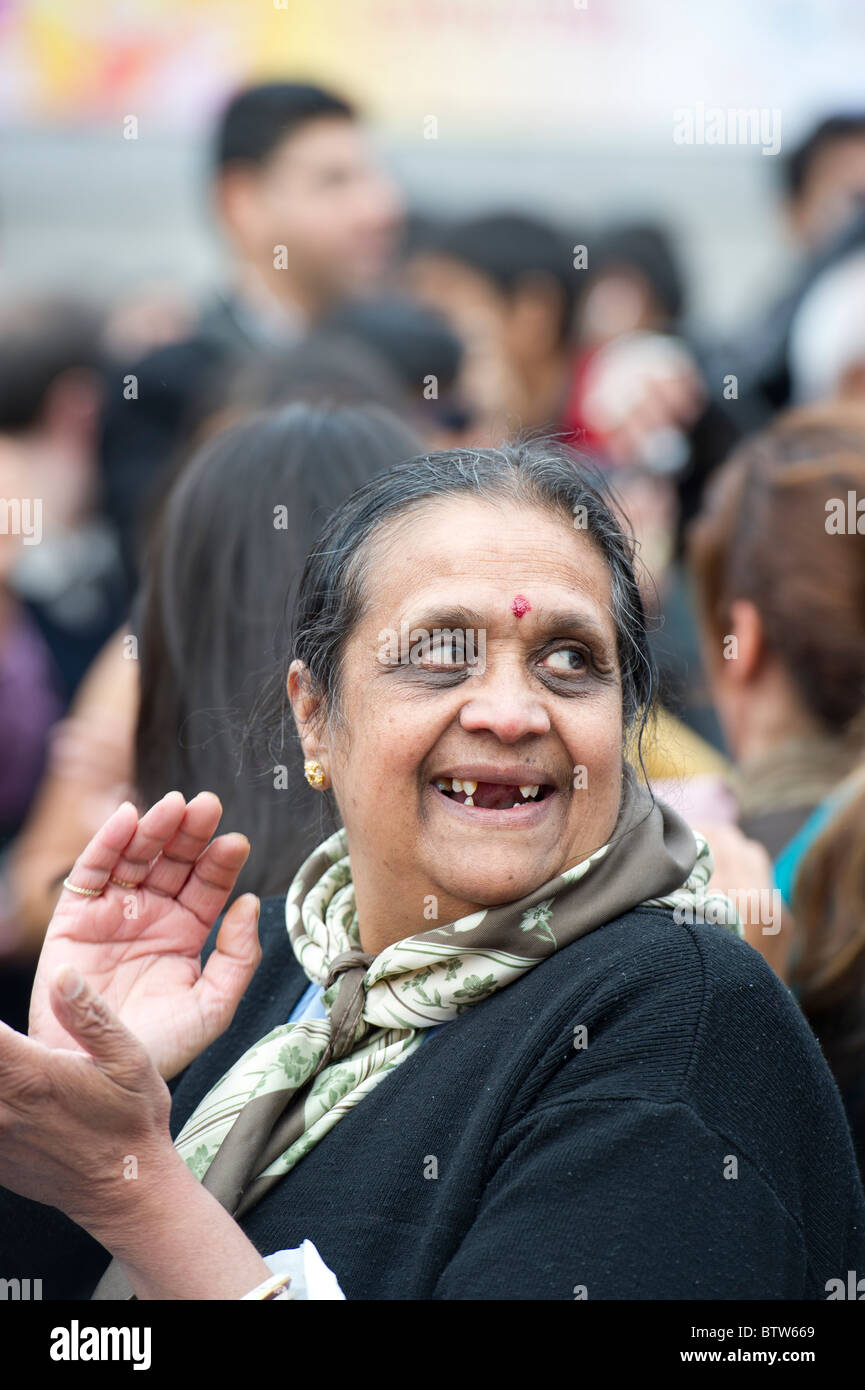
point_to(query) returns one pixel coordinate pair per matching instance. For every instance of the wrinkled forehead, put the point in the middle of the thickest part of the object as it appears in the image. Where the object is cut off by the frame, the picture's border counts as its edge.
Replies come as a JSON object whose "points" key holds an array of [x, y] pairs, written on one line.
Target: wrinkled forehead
{"points": [[501, 558]]}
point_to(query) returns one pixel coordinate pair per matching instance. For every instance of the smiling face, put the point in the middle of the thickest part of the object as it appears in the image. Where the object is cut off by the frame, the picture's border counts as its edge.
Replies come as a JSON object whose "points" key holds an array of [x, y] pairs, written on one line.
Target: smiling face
{"points": [[437, 748]]}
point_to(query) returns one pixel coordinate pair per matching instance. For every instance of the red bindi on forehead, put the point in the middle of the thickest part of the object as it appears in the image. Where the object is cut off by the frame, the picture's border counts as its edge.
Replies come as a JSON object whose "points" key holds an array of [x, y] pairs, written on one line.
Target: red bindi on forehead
{"points": [[520, 606]]}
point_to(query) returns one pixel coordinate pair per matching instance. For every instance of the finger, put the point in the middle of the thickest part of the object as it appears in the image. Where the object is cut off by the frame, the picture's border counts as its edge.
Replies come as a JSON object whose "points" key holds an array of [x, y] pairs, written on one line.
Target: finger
{"points": [[93, 866], [155, 828], [87, 1018], [627, 443], [18, 1055], [27, 1075], [175, 863], [619, 448], [682, 396], [206, 891], [651, 414], [231, 966]]}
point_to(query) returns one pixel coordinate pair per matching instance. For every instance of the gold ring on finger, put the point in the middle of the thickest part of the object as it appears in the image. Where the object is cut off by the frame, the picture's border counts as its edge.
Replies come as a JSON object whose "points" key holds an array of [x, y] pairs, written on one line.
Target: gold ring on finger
{"points": [[84, 892]]}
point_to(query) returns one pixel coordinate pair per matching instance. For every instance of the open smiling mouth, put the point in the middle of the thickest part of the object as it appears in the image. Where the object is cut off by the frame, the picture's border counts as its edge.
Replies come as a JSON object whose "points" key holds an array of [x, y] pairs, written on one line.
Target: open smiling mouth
{"points": [[491, 796]]}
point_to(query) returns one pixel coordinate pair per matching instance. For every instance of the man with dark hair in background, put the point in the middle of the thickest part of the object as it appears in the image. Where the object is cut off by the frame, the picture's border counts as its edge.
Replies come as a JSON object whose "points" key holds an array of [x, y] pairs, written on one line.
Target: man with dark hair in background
{"points": [[823, 189], [824, 178], [310, 221], [507, 284], [824, 207]]}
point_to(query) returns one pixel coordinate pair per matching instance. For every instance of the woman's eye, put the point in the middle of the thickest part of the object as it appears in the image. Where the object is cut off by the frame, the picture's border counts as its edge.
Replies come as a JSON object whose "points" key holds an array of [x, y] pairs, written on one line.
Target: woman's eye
{"points": [[442, 654], [566, 660]]}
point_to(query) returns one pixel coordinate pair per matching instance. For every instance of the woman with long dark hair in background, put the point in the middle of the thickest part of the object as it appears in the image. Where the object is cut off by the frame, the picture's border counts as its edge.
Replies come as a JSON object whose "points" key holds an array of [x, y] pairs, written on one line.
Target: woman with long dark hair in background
{"points": [[170, 705]]}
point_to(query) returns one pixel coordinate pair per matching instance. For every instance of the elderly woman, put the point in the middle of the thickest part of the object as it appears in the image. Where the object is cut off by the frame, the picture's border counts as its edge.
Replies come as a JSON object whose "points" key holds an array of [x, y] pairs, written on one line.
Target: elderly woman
{"points": [[500, 1042]]}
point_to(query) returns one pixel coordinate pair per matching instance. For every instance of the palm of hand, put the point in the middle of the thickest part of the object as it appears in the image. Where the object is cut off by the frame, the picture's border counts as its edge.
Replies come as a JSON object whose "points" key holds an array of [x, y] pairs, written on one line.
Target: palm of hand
{"points": [[139, 947]]}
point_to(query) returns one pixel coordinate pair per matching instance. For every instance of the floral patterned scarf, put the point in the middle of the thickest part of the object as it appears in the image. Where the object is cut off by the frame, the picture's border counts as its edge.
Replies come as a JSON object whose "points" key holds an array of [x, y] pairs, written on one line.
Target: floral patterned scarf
{"points": [[288, 1090]]}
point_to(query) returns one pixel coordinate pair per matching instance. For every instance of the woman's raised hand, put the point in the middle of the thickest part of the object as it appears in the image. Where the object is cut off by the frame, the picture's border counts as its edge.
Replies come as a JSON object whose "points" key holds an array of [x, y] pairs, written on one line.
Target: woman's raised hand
{"points": [[138, 944]]}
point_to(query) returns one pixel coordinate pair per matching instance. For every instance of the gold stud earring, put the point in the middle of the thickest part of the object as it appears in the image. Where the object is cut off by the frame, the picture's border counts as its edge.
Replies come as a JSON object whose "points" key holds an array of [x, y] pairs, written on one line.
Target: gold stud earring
{"points": [[314, 773]]}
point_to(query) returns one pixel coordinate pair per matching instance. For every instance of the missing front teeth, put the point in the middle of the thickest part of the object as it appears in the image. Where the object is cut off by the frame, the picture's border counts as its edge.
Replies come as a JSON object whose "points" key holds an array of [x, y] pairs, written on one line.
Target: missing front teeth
{"points": [[490, 795]]}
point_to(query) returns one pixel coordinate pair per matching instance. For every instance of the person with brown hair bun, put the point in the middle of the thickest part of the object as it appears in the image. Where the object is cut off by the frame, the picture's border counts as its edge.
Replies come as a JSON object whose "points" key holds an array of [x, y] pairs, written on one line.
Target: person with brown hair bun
{"points": [[780, 588]]}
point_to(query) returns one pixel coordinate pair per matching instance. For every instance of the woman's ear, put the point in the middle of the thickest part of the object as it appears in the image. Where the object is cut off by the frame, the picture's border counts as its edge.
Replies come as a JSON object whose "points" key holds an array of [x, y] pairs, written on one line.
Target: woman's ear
{"points": [[306, 707], [746, 641]]}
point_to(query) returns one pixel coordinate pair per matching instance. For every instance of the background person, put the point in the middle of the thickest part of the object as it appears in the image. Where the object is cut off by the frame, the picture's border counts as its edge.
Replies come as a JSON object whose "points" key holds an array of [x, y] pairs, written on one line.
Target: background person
{"points": [[779, 594], [507, 285], [828, 967], [172, 705], [292, 170]]}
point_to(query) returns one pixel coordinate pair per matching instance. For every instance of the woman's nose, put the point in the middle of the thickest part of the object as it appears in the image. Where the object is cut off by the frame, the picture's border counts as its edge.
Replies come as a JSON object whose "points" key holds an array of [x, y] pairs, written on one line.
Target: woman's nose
{"points": [[506, 706]]}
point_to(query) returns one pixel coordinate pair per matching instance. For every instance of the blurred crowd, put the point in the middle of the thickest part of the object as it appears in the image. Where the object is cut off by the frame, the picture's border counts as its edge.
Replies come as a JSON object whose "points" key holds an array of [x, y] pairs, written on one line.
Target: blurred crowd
{"points": [[165, 466]]}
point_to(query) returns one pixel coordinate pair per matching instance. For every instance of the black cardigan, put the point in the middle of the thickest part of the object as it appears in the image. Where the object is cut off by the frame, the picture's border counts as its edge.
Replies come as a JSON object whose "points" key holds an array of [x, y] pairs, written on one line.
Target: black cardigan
{"points": [[695, 1147]]}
